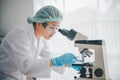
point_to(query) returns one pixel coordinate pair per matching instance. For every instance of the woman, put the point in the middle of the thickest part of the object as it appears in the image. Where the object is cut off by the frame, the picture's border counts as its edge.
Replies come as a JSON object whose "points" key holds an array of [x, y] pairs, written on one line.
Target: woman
{"points": [[24, 50]]}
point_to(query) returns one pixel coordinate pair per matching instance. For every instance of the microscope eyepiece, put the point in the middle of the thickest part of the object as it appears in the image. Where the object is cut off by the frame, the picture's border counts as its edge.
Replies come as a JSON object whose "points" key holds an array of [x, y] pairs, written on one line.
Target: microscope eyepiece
{"points": [[69, 34], [63, 31]]}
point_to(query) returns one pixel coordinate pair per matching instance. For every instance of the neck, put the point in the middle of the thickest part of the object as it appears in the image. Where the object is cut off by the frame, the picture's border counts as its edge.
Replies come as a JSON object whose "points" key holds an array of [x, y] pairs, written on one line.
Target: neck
{"points": [[37, 30]]}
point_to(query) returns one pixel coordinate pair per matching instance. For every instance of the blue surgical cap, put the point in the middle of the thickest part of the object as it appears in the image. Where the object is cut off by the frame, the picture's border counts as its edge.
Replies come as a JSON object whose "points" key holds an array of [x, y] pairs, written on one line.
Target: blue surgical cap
{"points": [[46, 14]]}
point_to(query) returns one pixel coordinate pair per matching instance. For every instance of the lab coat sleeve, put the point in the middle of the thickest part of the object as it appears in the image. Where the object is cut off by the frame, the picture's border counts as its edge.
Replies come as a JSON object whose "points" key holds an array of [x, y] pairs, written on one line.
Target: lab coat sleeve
{"points": [[59, 70], [47, 53], [17, 45]]}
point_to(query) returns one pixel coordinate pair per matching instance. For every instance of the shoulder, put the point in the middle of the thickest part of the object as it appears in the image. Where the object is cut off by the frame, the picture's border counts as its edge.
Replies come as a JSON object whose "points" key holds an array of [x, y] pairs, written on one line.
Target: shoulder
{"points": [[18, 33]]}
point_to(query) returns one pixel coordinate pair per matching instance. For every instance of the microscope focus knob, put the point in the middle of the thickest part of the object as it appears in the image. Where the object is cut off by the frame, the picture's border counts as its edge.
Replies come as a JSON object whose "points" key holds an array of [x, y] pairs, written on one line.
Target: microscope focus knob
{"points": [[98, 72], [75, 77]]}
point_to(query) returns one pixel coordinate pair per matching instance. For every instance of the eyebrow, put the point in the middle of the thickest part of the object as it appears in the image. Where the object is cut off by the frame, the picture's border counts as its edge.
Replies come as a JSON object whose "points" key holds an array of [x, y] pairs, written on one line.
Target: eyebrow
{"points": [[55, 25]]}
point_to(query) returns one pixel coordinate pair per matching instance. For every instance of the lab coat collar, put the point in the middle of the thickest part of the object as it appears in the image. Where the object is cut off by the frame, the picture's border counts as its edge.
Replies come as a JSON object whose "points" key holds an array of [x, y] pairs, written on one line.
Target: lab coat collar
{"points": [[30, 29]]}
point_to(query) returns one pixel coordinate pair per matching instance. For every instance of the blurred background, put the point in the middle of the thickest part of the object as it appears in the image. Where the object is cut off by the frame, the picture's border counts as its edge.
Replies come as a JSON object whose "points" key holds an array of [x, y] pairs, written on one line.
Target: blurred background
{"points": [[97, 19]]}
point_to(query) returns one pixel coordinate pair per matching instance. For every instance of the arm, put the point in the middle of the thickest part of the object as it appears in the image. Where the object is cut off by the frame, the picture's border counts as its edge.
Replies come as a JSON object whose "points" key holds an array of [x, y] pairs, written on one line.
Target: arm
{"points": [[51, 64], [18, 47], [46, 53]]}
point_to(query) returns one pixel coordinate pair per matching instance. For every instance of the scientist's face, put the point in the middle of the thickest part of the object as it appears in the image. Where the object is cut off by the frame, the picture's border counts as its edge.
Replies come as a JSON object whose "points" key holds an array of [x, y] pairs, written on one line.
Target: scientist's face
{"points": [[50, 29]]}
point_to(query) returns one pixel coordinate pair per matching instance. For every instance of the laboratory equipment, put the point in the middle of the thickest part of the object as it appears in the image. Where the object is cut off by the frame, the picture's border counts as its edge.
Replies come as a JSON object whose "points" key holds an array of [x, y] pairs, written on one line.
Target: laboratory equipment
{"points": [[96, 70]]}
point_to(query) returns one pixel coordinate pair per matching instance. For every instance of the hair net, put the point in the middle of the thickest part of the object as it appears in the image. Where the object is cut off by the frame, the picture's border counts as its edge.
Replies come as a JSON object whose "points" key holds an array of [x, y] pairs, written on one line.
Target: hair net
{"points": [[46, 14]]}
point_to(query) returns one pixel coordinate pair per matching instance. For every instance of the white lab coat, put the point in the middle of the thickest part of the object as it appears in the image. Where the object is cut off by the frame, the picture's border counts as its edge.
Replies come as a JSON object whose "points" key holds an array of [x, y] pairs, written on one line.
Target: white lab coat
{"points": [[19, 52]]}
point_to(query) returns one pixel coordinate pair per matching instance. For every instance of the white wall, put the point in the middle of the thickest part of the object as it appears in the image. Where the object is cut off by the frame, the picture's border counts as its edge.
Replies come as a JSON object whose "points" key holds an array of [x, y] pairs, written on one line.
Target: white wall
{"points": [[13, 13]]}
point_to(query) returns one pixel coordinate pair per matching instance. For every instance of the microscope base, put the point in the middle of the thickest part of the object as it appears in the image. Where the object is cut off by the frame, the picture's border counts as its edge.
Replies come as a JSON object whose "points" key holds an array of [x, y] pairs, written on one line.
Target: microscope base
{"points": [[90, 79]]}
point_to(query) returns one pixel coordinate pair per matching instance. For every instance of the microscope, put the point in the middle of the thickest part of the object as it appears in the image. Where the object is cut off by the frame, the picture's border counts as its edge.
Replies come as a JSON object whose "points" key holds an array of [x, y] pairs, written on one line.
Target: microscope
{"points": [[95, 70]]}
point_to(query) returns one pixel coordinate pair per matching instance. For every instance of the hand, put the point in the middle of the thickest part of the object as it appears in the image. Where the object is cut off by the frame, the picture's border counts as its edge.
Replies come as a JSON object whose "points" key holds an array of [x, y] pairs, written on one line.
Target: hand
{"points": [[77, 68], [67, 58]]}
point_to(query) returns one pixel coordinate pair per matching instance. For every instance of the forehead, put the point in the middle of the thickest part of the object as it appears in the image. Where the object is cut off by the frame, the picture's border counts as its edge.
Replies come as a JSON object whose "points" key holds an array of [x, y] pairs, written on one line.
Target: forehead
{"points": [[53, 23]]}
